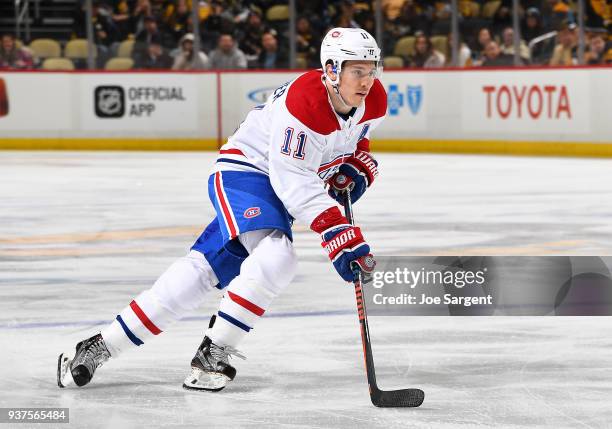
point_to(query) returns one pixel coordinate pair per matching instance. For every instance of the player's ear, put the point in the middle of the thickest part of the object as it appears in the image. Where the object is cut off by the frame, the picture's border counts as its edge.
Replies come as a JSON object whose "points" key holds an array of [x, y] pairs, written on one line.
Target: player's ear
{"points": [[330, 71]]}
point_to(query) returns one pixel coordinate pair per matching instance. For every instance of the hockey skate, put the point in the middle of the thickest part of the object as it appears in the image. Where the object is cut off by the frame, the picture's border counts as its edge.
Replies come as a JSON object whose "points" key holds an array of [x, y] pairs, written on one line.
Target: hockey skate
{"points": [[210, 368], [90, 355]]}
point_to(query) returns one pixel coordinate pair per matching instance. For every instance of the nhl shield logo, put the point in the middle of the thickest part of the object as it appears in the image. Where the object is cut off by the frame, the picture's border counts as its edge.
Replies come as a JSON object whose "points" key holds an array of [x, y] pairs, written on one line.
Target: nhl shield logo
{"points": [[109, 101], [415, 97]]}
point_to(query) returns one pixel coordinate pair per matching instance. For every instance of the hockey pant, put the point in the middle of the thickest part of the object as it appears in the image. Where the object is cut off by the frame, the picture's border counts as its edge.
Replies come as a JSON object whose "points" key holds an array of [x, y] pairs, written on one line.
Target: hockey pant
{"points": [[264, 274]]}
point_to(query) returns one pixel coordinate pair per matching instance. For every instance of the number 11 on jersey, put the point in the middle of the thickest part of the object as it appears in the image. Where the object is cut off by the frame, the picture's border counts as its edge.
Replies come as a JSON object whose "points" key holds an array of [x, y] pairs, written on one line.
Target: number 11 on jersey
{"points": [[299, 150]]}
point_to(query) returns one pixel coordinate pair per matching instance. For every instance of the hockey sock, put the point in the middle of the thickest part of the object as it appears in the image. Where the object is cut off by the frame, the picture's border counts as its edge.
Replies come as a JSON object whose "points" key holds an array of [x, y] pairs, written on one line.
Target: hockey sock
{"points": [[178, 291], [264, 274], [136, 323], [243, 303]]}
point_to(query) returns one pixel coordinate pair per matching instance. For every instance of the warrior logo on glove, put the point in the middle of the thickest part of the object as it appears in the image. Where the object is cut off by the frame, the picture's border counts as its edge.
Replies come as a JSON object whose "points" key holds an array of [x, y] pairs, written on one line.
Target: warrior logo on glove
{"points": [[340, 240], [343, 242], [356, 174]]}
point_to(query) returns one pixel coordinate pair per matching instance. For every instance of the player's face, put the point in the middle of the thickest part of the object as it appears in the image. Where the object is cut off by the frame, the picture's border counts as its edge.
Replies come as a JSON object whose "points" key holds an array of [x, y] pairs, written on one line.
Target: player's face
{"points": [[356, 80]]}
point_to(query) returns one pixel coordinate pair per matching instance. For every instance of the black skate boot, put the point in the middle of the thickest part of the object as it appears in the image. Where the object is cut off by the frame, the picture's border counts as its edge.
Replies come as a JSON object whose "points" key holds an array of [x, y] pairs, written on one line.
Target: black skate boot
{"points": [[210, 368], [90, 355]]}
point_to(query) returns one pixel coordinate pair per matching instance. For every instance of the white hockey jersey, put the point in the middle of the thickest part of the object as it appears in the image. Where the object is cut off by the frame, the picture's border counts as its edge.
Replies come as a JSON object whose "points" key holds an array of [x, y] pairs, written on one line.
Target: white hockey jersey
{"points": [[299, 141]]}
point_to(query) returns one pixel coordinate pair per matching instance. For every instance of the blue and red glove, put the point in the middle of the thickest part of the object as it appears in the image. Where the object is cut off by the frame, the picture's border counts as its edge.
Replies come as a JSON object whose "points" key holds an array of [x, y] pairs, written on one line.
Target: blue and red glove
{"points": [[356, 174], [343, 242]]}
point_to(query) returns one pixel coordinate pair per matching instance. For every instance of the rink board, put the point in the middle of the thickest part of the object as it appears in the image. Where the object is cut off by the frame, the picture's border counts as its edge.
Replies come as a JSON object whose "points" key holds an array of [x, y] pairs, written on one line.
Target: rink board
{"points": [[559, 111]]}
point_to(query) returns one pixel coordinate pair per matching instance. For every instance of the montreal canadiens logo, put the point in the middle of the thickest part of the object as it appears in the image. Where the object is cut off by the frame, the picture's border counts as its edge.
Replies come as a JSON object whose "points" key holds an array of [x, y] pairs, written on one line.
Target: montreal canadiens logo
{"points": [[252, 212], [336, 34]]}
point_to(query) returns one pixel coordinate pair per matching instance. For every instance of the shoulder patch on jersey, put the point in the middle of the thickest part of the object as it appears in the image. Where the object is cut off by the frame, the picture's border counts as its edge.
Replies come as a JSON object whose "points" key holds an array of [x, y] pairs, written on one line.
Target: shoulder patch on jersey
{"points": [[376, 102], [307, 102]]}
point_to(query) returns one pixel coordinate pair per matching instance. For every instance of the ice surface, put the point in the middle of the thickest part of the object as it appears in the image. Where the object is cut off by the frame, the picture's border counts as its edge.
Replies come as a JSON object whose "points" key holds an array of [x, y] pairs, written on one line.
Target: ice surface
{"points": [[83, 233]]}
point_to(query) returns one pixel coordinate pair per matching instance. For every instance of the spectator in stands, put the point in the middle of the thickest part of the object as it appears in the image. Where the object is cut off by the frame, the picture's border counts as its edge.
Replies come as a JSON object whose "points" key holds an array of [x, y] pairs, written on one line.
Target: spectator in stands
{"points": [[149, 34], [121, 18], [240, 9], [502, 17], [177, 19], [484, 37], [406, 21], [141, 12], [547, 16], [250, 37], [106, 33], [565, 53], [346, 14], [442, 22], [532, 25], [342, 21], [392, 32], [411, 19], [227, 55], [425, 56], [317, 11], [468, 8], [155, 58], [599, 14], [157, 6], [597, 49], [185, 59], [392, 9], [561, 9], [366, 21], [495, 58], [465, 53], [469, 17], [272, 57], [308, 43], [220, 21], [12, 57], [557, 12], [507, 47]]}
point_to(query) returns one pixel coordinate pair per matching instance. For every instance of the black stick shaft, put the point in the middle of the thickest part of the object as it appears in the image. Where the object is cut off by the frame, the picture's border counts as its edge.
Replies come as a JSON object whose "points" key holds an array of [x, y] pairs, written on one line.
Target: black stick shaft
{"points": [[361, 310]]}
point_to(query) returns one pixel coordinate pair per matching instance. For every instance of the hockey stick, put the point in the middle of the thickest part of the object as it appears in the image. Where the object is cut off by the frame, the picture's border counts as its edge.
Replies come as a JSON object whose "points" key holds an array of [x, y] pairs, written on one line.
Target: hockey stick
{"points": [[380, 398]]}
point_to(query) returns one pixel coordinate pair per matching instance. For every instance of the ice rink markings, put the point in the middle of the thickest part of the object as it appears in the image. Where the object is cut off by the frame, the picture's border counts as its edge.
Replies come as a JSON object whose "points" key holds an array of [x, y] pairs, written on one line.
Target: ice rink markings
{"points": [[88, 323]]}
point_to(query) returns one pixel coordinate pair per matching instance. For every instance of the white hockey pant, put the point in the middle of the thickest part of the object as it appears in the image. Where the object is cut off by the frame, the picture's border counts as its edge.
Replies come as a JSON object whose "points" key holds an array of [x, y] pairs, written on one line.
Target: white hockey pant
{"points": [[181, 289]]}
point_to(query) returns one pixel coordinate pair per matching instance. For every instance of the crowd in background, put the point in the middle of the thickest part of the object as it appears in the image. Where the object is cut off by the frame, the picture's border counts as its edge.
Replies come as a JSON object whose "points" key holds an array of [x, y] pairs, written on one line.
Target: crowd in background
{"points": [[236, 34]]}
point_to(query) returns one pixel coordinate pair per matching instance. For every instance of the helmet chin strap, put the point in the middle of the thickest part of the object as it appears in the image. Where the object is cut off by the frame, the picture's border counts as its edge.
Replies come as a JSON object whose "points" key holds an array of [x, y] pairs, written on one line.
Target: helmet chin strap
{"points": [[337, 91], [336, 88]]}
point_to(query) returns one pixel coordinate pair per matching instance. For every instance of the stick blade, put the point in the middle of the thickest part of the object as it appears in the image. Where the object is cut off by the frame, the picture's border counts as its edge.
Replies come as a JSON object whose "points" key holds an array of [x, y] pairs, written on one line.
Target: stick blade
{"points": [[397, 398]]}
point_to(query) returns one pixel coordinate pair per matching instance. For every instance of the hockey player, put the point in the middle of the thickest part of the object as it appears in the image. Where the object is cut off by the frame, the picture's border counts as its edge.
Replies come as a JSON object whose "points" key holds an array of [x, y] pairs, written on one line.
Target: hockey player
{"points": [[311, 132]]}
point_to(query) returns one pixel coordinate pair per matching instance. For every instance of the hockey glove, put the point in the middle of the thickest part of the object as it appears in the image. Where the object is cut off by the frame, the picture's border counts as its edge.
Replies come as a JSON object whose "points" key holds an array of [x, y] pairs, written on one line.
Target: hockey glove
{"points": [[356, 174], [343, 242]]}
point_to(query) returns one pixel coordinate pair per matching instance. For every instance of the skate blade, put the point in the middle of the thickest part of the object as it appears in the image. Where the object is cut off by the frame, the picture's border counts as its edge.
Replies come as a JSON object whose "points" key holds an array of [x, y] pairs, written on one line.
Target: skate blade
{"points": [[205, 381], [64, 376]]}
